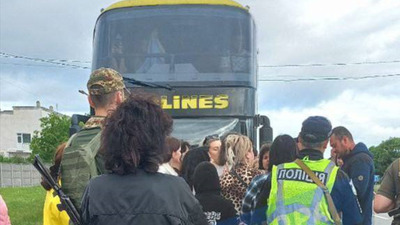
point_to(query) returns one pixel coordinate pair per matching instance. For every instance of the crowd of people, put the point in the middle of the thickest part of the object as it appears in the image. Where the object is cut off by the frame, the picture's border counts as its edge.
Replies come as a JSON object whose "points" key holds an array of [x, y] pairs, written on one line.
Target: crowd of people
{"points": [[132, 171]]}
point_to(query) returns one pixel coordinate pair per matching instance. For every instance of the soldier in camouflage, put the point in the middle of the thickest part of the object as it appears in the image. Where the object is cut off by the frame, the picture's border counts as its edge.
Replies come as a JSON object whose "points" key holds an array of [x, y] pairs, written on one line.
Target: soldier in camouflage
{"points": [[106, 91]]}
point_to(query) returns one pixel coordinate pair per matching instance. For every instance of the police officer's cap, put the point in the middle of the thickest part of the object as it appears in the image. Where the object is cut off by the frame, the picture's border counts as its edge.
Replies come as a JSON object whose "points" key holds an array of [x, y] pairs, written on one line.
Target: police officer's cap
{"points": [[316, 129]]}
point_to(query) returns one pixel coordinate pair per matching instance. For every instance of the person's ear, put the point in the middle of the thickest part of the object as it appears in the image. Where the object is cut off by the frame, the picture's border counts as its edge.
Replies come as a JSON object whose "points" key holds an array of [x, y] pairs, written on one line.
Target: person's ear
{"points": [[345, 141], [326, 144], [91, 101], [249, 153], [119, 97]]}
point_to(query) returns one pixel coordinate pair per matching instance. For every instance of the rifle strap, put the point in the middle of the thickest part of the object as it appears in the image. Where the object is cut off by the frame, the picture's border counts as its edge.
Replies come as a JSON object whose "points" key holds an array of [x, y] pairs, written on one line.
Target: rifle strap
{"points": [[70, 140], [331, 205]]}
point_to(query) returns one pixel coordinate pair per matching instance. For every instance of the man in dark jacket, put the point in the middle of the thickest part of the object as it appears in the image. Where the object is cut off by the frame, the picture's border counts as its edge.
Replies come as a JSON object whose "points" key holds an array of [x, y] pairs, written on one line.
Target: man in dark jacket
{"points": [[217, 209], [359, 165]]}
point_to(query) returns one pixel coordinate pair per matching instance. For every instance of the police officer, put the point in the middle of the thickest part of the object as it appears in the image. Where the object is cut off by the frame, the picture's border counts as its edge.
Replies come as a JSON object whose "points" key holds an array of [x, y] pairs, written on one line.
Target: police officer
{"points": [[106, 91], [296, 199]]}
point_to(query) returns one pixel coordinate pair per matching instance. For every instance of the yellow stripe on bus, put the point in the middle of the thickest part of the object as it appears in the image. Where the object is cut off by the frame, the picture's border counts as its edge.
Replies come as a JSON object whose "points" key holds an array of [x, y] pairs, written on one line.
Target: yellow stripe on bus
{"points": [[136, 3]]}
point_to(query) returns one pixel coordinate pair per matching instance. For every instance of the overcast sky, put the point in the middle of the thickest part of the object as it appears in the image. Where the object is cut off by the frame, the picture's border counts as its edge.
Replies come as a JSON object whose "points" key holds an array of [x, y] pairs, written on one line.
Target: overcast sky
{"points": [[301, 33]]}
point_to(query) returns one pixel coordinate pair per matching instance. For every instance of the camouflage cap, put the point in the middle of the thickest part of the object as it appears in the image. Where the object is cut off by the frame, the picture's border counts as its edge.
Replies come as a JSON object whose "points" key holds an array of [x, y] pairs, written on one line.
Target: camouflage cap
{"points": [[105, 80]]}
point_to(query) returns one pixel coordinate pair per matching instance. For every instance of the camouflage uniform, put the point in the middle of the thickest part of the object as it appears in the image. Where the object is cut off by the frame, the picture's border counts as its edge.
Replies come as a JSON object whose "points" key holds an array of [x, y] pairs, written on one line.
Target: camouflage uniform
{"points": [[101, 82], [94, 121], [104, 81]]}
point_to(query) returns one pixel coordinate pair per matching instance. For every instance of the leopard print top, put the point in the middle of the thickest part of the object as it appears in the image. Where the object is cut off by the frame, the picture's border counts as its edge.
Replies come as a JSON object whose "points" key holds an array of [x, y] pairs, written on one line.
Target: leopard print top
{"points": [[233, 189]]}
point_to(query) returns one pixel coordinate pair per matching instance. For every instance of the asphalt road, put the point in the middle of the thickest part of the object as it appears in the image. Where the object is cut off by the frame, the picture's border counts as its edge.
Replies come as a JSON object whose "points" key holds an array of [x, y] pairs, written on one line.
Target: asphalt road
{"points": [[381, 219]]}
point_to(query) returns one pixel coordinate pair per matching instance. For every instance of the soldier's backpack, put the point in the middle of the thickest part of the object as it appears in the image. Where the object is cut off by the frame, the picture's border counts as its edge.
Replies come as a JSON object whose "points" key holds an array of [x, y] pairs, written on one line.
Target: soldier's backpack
{"points": [[78, 166]]}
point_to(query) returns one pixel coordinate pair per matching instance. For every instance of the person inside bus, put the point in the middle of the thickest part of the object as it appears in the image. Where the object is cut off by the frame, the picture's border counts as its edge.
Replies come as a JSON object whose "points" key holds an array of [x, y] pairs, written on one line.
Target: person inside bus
{"points": [[239, 59], [155, 53], [117, 55]]}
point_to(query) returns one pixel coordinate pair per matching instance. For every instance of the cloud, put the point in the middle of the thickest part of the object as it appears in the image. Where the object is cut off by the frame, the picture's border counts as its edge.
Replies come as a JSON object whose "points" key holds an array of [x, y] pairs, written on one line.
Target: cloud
{"points": [[370, 118], [49, 85], [325, 31], [295, 95], [62, 29]]}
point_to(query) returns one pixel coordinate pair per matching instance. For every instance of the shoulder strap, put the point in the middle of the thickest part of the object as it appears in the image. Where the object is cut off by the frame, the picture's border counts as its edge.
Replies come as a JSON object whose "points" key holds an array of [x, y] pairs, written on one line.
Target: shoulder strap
{"points": [[70, 140], [94, 144], [233, 172], [331, 205]]}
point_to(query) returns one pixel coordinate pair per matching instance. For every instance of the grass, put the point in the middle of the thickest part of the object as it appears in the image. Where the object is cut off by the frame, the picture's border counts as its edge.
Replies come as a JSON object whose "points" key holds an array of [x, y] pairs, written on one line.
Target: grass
{"points": [[25, 204]]}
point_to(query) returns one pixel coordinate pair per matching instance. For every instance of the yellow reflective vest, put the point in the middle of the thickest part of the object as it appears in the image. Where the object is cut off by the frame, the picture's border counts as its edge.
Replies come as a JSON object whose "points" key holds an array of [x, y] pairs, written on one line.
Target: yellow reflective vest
{"points": [[295, 198]]}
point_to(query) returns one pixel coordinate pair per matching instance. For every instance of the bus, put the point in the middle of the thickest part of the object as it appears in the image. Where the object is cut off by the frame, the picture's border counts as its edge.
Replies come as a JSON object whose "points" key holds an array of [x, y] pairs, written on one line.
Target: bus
{"points": [[198, 56]]}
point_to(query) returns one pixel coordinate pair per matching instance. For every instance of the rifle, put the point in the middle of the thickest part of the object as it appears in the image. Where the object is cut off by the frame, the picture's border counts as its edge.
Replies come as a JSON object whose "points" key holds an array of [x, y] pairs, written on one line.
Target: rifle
{"points": [[64, 199]]}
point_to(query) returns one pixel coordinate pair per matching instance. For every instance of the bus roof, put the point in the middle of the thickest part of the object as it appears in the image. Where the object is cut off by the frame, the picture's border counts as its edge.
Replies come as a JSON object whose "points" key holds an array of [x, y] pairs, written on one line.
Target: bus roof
{"points": [[138, 3]]}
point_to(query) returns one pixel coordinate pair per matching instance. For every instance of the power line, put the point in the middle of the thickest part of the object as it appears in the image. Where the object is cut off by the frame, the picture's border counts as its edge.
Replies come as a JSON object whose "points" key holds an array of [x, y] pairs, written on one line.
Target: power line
{"points": [[66, 62], [363, 77], [61, 62], [35, 65], [397, 75], [51, 60], [330, 64], [19, 87]]}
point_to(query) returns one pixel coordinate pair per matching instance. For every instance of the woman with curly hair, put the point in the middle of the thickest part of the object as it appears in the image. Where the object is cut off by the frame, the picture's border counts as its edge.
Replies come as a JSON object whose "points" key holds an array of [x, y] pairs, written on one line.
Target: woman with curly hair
{"points": [[133, 143]]}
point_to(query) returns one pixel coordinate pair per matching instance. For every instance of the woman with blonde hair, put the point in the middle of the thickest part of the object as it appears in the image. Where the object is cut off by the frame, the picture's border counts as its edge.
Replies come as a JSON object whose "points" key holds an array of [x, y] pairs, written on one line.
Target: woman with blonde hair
{"points": [[239, 156]]}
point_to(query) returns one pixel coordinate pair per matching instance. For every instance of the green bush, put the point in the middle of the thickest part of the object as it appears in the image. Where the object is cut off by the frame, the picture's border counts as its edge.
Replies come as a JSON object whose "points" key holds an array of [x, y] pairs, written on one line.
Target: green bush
{"points": [[16, 159]]}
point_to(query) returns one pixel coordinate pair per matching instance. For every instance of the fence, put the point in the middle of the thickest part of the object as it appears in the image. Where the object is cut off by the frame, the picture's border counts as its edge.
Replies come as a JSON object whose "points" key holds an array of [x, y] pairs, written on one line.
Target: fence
{"points": [[18, 175]]}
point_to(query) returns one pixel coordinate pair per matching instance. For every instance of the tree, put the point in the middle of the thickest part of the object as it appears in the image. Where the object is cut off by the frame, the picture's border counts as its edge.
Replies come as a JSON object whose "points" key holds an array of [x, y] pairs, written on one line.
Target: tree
{"points": [[55, 130], [385, 153]]}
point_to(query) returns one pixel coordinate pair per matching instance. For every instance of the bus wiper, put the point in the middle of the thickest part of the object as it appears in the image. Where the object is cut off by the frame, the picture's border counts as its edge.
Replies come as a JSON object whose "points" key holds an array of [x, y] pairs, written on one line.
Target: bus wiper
{"points": [[146, 84]]}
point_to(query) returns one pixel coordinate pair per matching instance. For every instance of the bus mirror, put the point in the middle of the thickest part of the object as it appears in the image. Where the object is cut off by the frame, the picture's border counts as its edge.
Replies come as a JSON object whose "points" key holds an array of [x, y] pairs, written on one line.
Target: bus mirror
{"points": [[75, 120], [265, 131]]}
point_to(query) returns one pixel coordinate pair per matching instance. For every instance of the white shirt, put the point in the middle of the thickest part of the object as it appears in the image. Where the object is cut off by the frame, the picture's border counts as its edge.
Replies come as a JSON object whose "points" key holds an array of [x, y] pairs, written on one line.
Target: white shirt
{"points": [[166, 168]]}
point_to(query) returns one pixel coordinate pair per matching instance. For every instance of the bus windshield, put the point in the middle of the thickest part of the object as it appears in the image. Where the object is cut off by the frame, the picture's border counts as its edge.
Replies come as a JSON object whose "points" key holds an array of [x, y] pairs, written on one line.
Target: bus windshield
{"points": [[150, 42], [195, 130]]}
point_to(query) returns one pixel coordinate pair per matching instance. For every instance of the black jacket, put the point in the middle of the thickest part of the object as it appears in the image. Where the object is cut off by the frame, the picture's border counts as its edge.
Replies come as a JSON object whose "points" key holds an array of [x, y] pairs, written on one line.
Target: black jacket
{"points": [[140, 198], [359, 165], [217, 209]]}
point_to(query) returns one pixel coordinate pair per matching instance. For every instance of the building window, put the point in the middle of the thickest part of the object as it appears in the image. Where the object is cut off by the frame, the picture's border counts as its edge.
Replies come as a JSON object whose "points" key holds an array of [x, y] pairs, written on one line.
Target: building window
{"points": [[23, 138]]}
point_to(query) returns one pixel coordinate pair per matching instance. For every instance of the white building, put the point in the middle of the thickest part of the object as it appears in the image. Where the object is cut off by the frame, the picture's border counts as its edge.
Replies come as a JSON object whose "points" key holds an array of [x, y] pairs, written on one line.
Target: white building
{"points": [[17, 127]]}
